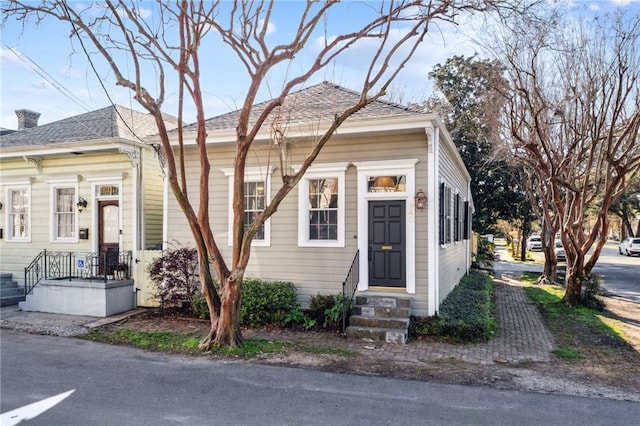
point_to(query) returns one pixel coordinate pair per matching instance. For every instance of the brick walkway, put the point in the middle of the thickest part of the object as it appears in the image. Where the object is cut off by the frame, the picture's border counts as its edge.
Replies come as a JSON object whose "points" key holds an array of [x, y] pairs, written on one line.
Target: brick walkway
{"points": [[521, 334]]}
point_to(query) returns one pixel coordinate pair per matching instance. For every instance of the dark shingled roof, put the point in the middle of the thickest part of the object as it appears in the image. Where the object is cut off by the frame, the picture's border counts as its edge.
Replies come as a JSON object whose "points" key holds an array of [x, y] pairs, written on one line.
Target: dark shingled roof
{"points": [[101, 124], [316, 103]]}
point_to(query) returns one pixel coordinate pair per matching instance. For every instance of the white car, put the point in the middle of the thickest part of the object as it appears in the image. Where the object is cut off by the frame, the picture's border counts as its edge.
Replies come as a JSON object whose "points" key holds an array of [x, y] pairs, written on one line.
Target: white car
{"points": [[630, 246], [534, 243], [558, 248]]}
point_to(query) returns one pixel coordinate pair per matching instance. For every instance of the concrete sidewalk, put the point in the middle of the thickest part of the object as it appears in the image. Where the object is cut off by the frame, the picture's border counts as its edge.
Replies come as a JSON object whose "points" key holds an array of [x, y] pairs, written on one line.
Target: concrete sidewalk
{"points": [[521, 334]]}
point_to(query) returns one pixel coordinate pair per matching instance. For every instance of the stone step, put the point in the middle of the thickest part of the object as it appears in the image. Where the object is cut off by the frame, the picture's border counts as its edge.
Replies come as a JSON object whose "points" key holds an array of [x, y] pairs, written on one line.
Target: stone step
{"points": [[380, 311], [379, 322], [8, 284], [383, 301], [377, 334], [16, 291]]}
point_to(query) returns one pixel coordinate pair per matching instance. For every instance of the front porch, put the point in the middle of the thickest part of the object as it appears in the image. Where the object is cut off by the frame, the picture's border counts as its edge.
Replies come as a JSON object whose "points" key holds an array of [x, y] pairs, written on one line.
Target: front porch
{"points": [[90, 284], [81, 297]]}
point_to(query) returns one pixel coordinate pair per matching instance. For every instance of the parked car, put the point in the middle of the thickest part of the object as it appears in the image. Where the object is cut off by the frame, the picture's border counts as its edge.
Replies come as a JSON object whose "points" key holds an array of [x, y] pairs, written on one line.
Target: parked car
{"points": [[558, 248], [534, 243], [630, 246]]}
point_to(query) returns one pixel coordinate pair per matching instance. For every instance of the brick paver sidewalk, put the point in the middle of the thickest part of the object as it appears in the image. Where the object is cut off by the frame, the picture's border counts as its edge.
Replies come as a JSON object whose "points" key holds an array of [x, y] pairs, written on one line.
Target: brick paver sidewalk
{"points": [[521, 336]]}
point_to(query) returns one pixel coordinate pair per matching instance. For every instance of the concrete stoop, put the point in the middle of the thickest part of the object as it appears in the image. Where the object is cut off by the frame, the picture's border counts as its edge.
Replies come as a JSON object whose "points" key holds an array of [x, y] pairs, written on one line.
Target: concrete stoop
{"points": [[380, 318], [10, 293]]}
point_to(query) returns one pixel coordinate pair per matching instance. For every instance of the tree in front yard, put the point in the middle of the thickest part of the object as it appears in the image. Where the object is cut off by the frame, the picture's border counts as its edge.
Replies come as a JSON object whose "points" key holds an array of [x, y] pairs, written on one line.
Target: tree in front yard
{"points": [[160, 52], [572, 116]]}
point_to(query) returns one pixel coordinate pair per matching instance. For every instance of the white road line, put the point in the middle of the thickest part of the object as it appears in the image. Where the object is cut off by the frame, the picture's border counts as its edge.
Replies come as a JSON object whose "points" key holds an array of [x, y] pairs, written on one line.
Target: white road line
{"points": [[30, 411]]}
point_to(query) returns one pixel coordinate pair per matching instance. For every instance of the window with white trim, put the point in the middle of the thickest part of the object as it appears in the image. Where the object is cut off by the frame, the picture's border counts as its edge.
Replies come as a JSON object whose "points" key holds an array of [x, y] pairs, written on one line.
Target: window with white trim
{"points": [[254, 201], [257, 193], [321, 212], [64, 212], [18, 214]]}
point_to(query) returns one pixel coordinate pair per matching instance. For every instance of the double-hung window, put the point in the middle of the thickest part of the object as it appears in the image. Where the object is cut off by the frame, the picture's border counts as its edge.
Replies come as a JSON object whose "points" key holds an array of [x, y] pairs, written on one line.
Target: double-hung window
{"points": [[18, 213], [321, 209], [64, 220], [257, 193]]}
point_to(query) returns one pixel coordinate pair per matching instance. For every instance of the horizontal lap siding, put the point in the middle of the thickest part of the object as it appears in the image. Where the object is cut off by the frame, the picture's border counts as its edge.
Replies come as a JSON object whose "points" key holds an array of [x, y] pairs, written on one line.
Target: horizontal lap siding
{"points": [[15, 256], [453, 255], [152, 193], [313, 270]]}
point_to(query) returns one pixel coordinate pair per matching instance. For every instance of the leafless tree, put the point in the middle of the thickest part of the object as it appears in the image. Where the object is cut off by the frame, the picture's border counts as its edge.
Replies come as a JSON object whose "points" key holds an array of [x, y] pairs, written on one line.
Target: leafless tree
{"points": [[572, 118], [167, 48]]}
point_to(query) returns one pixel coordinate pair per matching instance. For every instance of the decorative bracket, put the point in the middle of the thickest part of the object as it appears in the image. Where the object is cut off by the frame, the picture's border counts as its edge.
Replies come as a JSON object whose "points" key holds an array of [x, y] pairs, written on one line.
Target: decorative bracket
{"points": [[134, 156], [35, 161]]}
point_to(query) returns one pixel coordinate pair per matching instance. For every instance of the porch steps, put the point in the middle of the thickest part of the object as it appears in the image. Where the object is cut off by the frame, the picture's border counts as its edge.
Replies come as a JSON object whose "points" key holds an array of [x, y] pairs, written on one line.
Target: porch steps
{"points": [[10, 293], [380, 318]]}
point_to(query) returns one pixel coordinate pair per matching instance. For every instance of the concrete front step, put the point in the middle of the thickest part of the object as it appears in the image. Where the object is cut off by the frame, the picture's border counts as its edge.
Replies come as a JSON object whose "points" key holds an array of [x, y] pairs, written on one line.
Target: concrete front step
{"points": [[389, 335], [10, 293]]}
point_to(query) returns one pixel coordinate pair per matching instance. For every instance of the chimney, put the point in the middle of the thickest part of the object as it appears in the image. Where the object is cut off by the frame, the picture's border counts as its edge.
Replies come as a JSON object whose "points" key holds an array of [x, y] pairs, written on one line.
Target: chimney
{"points": [[27, 119]]}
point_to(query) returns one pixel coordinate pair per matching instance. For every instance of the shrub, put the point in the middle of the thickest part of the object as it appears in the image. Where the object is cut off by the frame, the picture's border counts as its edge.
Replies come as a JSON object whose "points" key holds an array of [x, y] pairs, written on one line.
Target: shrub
{"points": [[328, 309], [486, 253], [298, 318], [318, 304], [199, 306], [175, 276], [590, 287], [265, 302], [465, 315]]}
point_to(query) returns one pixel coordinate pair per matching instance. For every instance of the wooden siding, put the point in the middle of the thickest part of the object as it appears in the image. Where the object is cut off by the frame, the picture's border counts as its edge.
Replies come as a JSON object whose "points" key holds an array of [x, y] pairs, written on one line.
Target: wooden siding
{"points": [[15, 256], [312, 269], [152, 196], [453, 255]]}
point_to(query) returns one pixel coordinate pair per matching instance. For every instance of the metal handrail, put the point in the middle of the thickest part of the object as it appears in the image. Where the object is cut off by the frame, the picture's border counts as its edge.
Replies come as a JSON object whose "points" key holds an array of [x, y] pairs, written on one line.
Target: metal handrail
{"points": [[349, 287], [59, 265]]}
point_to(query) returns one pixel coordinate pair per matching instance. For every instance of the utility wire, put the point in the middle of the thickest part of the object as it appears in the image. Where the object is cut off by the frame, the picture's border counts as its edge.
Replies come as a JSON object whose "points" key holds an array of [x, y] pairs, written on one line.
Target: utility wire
{"points": [[50, 79], [95, 71]]}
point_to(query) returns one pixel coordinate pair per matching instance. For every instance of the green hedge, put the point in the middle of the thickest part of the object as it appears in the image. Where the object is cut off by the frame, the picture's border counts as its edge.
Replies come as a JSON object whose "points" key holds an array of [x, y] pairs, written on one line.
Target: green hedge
{"points": [[465, 315], [265, 302]]}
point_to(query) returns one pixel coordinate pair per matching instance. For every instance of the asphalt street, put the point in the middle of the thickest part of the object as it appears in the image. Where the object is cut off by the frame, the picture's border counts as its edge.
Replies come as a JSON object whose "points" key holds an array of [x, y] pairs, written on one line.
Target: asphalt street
{"points": [[124, 386]]}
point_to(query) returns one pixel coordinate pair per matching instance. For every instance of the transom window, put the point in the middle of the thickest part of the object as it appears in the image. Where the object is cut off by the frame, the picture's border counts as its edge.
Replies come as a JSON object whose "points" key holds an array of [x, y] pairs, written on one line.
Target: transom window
{"points": [[321, 206], [386, 183]]}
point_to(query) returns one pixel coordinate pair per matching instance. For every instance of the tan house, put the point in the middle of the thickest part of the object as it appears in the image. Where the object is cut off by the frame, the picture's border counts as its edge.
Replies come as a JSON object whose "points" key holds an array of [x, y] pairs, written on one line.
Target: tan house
{"points": [[80, 197], [388, 193]]}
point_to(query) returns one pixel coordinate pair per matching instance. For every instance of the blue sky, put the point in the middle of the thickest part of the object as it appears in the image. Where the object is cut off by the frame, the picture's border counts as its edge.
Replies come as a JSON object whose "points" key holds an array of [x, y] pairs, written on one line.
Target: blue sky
{"points": [[39, 72]]}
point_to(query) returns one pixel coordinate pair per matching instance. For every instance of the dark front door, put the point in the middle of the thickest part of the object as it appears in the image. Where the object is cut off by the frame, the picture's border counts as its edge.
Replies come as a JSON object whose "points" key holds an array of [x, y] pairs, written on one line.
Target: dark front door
{"points": [[387, 265], [108, 235]]}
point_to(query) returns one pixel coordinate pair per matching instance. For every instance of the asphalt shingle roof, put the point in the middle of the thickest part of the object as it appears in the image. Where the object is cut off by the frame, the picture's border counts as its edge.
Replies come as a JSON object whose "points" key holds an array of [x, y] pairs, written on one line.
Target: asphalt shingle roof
{"points": [[100, 124], [316, 103]]}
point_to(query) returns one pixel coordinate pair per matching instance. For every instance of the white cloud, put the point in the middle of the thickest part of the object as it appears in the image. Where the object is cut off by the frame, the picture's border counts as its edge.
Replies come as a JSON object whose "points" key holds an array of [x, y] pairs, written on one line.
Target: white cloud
{"points": [[144, 13], [271, 27]]}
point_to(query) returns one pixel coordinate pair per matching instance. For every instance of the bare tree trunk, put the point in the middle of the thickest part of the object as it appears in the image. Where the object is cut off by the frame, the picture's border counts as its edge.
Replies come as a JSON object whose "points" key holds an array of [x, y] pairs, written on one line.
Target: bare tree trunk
{"points": [[575, 274], [550, 271], [225, 331]]}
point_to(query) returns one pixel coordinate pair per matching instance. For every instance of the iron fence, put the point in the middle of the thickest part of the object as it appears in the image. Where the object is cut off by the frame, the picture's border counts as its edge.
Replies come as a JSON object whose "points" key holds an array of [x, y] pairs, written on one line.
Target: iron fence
{"points": [[68, 265]]}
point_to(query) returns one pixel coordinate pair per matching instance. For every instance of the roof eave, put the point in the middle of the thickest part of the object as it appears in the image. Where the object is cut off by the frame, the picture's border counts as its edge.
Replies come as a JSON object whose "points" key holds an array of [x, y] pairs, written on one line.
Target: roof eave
{"points": [[107, 144]]}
